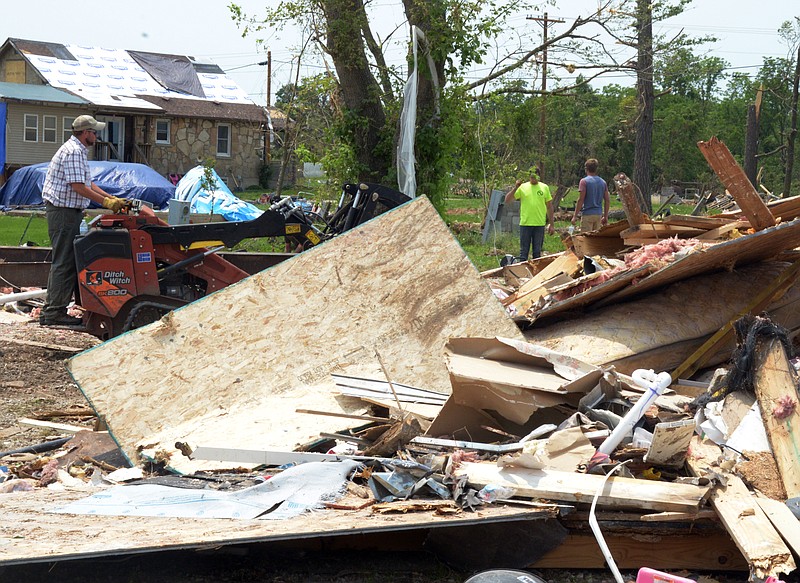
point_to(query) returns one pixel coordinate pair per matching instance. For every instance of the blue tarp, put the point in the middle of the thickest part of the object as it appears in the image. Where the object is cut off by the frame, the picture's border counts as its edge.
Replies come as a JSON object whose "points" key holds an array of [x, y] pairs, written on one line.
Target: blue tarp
{"points": [[118, 178], [220, 200], [3, 110]]}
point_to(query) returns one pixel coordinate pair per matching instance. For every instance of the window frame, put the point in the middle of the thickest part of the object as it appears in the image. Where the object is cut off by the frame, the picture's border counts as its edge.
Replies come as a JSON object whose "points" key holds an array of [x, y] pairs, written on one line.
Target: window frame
{"points": [[168, 141], [226, 153], [26, 127], [54, 129], [67, 126]]}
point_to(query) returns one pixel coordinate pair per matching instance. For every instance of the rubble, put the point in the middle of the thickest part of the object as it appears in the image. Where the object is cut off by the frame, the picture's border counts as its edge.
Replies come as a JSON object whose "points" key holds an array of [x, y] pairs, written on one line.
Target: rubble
{"points": [[594, 398]]}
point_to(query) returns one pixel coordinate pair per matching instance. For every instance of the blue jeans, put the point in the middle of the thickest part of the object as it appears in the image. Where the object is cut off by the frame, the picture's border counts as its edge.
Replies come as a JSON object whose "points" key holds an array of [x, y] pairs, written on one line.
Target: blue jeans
{"points": [[63, 225], [527, 236]]}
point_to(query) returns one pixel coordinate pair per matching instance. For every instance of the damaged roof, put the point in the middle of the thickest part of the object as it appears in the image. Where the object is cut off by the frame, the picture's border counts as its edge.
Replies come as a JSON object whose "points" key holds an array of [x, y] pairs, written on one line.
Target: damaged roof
{"points": [[141, 80]]}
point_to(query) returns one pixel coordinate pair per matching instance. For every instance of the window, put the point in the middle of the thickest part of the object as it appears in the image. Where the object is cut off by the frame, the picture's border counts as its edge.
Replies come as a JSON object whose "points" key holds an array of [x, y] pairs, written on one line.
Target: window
{"points": [[67, 127], [31, 127], [224, 139], [49, 129], [162, 131]]}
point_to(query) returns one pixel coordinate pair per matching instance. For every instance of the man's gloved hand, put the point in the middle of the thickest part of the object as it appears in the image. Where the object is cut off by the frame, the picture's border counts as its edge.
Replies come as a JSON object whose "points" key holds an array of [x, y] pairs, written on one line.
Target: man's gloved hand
{"points": [[114, 204]]}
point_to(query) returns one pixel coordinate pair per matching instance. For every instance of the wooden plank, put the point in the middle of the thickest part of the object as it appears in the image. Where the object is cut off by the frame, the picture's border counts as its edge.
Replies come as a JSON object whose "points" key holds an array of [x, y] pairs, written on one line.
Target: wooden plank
{"points": [[660, 231], [566, 263], [45, 345], [630, 201], [784, 521], [736, 182], [787, 209], [706, 552], [775, 383], [62, 427], [743, 518], [574, 487], [670, 443], [705, 223], [232, 368], [723, 230]]}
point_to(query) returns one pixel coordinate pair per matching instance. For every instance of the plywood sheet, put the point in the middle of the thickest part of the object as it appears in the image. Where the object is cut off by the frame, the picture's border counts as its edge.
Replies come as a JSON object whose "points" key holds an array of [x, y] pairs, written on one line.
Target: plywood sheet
{"points": [[231, 369], [28, 533], [681, 312]]}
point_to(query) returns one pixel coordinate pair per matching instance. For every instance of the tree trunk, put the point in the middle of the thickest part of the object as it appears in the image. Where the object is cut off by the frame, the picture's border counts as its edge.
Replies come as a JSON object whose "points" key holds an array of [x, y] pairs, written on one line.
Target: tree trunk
{"points": [[644, 120], [787, 179], [360, 91]]}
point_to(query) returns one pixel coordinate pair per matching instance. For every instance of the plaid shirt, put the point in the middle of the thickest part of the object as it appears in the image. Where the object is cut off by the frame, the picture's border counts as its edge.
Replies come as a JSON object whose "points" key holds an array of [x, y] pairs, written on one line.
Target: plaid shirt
{"points": [[70, 164]]}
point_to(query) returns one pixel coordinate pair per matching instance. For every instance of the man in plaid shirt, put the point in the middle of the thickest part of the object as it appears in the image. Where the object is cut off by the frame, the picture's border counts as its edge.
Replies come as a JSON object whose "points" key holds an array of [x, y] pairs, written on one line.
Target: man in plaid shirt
{"points": [[68, 190]]}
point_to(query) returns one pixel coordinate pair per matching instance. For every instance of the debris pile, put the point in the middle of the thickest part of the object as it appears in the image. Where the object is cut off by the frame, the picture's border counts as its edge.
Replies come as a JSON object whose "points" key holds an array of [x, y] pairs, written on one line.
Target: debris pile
{"points": [[646, 382]]}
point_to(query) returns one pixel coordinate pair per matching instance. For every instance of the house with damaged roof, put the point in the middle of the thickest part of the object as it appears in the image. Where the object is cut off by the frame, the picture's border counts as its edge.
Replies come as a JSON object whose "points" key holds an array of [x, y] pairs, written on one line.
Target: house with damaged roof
{"points": [[166, 111]]}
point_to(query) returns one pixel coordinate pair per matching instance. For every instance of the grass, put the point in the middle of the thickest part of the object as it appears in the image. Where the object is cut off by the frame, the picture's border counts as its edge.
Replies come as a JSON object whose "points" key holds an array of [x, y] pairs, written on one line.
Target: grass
{"points": [[16, 231]]}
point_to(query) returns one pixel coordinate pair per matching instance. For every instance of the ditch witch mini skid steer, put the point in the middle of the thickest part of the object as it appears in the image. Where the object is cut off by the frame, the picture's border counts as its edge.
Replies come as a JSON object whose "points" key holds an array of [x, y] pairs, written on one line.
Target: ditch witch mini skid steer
{"points": [[133, 268]]}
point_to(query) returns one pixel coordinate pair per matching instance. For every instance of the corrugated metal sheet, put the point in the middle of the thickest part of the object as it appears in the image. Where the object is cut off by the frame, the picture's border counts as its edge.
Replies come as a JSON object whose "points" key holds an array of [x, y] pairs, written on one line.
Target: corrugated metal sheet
{"points": [[43, 93]]}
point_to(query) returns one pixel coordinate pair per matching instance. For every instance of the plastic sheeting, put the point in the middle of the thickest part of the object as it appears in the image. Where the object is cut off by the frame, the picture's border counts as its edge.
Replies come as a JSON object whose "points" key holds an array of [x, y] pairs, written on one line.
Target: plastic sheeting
{"points": [[220, 200], [122, 179], [406, 162], [173, 72]]}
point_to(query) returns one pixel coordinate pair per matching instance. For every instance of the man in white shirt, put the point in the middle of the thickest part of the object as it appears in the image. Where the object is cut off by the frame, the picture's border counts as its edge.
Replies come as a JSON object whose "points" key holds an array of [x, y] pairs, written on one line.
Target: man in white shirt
{"points": [[68, 189]]}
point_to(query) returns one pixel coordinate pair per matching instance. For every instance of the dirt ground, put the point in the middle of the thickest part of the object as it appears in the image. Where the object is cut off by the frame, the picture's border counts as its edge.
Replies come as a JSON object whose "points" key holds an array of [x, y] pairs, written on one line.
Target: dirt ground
{"points": [[34, 381]]}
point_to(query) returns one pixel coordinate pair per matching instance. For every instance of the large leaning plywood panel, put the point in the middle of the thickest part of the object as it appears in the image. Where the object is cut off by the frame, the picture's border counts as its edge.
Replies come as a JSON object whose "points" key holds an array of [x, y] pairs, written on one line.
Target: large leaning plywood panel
{"points": [[661, 329], [231, 369]]}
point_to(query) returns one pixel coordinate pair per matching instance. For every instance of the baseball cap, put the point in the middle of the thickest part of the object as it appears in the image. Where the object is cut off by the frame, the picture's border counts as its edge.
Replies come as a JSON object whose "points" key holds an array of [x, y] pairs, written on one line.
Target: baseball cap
{"points": [[87, 122]]}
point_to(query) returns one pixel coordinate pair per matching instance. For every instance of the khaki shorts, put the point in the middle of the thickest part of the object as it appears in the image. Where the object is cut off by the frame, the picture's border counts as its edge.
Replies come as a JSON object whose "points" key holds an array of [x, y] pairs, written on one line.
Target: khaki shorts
{"points": [[590, 223]]}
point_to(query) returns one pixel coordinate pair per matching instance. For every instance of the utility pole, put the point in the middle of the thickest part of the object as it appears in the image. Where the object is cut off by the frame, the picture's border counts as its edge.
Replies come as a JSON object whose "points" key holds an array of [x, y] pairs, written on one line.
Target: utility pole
{"points": [[546, 22], [268, 132]]}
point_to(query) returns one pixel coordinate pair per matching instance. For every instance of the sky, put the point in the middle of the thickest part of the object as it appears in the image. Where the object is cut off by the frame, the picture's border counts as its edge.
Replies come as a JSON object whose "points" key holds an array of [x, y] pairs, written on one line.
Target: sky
{"points": [[204, 29]]}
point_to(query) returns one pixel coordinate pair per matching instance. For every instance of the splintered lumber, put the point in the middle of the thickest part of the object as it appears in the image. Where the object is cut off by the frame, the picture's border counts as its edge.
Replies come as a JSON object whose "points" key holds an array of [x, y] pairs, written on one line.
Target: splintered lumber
{"points": [[630, 201], [775, 386], [757, 539], [529, 292], [232, 368], [574, 487], [784, 521], [736, 182]]}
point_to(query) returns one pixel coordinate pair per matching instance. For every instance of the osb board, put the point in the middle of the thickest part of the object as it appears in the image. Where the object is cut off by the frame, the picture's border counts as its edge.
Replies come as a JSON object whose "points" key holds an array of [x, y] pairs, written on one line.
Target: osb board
{"points": [[687, 310], [593, 294], [759, 246], [231, 369], [30, 534]]}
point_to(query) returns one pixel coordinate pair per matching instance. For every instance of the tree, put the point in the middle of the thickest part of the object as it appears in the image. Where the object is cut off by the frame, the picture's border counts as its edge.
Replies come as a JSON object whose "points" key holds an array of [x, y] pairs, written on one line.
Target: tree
{"points": [[458, 34]]}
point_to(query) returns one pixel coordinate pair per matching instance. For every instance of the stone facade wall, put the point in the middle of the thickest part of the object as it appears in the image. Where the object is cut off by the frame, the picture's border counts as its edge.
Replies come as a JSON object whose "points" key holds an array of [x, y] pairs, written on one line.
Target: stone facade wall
{"points": [[193, 140]]}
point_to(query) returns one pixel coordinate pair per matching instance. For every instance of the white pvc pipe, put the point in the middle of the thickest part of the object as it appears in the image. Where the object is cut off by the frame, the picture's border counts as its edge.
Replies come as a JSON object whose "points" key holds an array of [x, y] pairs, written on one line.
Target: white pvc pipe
{"points": [[655, 385], [28, 295]]}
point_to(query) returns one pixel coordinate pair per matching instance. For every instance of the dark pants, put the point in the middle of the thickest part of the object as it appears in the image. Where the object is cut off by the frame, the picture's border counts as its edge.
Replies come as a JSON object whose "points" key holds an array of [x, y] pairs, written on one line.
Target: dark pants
{"points": [[63, 225], [528, 236]]}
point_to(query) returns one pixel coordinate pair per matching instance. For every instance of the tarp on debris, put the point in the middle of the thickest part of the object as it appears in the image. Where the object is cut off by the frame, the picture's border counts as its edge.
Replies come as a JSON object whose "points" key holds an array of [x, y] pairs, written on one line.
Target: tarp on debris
{"points": [[231, 369], [123, 179], [215, 198]]}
